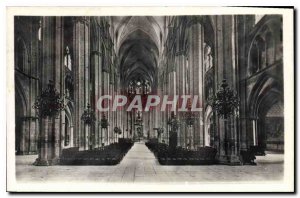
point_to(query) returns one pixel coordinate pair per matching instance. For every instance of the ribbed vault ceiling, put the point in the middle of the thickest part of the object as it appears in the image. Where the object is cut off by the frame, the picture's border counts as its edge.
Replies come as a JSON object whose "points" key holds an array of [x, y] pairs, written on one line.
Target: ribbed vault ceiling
{"points": [[138, 52]]}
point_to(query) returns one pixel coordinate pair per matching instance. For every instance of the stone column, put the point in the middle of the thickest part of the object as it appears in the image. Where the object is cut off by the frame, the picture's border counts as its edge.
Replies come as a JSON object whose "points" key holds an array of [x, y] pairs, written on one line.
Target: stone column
{"points": [[59, 125], [45, 150], [196, 66], [244, 24], [96, 87], [87, 76], [96, 77], [87, 136], [111, 113], [82, 83], [226, 69], [49, 140], [180, 91], [34, 84], [46, 64], [166, 112], [105, 83], [23, 138], [71, 136]]}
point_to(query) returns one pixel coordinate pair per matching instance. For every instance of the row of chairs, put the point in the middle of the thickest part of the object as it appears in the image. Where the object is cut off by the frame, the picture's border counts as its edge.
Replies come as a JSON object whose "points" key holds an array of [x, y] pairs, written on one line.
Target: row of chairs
{"points": [[108, 155], [182, 156]]}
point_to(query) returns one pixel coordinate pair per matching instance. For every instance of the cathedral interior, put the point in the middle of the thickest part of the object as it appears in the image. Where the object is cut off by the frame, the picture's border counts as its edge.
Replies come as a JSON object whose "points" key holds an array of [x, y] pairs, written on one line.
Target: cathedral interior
{"points": [[63, 65]]}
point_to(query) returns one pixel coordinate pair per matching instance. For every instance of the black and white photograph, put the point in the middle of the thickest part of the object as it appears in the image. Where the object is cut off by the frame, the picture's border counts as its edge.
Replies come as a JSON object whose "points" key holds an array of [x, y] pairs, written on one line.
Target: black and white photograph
{"points": [[150, 100]]}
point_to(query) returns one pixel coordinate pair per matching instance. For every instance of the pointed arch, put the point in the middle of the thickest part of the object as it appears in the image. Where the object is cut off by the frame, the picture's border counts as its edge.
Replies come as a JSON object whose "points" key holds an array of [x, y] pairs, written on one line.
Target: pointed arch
{"points": [[21, 55]]}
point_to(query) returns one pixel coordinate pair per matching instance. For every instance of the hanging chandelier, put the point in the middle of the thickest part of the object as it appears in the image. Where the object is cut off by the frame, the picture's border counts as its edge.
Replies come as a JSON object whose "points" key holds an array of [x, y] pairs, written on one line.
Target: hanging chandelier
{"points": [[225, 102], [88, 116], [104, 122], [49, 102]]}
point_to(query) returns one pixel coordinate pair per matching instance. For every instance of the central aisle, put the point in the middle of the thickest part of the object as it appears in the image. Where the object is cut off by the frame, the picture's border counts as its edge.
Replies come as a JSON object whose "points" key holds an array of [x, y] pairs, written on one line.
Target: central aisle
{"points": [[139, 155], [138, 165]]}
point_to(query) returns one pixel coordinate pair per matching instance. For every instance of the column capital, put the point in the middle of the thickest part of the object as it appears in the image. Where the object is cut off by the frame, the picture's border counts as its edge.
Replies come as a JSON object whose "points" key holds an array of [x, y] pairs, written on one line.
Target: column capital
{"points": [[193, 20], [81, 19]]}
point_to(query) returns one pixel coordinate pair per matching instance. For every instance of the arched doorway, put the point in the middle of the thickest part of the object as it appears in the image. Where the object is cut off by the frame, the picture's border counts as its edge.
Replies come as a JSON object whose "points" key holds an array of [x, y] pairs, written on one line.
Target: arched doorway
{"points": [[266, 113], [208, 126], [273, 127], [68, 140]]}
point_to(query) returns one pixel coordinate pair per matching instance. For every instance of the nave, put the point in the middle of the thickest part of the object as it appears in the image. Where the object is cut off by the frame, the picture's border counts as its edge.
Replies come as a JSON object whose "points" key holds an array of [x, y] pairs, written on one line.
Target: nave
{"points": [[231, 64]]}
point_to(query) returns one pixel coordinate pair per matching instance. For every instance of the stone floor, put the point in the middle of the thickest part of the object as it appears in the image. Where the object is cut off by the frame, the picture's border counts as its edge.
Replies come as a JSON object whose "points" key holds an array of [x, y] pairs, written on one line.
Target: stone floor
{"points": [[140, 165]]}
